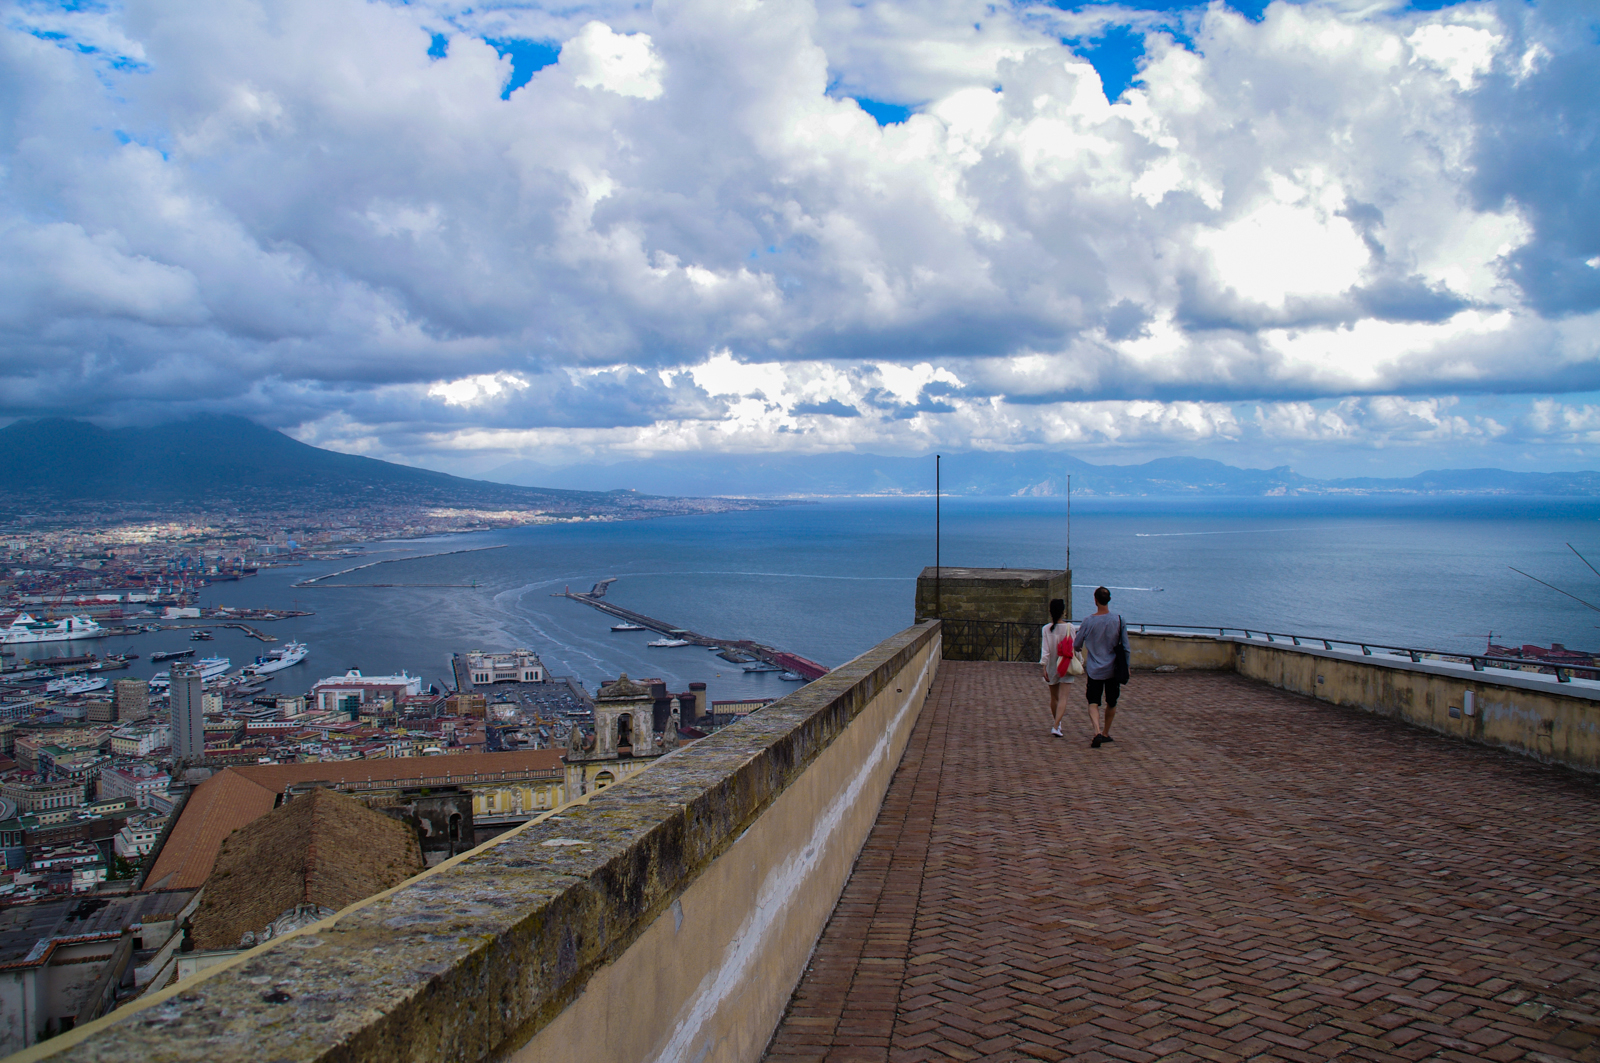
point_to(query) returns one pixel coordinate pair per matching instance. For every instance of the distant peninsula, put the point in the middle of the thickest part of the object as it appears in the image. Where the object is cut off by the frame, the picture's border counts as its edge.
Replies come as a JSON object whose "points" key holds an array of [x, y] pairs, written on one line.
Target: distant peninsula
{"points": [[1039, 473]]}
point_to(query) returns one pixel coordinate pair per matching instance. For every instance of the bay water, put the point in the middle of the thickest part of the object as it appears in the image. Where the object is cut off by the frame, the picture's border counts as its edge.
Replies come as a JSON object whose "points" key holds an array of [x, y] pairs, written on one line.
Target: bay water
{"points": [[830, 579]]}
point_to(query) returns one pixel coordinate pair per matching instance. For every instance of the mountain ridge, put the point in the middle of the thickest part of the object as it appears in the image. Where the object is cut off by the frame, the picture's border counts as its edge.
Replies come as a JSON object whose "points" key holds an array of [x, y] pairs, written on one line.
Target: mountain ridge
{"points": [[1025, 473], [217, 460]]}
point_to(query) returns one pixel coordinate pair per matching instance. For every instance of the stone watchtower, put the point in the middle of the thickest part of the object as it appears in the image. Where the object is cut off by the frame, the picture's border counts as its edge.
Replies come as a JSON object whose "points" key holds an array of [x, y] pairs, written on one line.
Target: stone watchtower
{"points": [[624, 739], [991, 614]]}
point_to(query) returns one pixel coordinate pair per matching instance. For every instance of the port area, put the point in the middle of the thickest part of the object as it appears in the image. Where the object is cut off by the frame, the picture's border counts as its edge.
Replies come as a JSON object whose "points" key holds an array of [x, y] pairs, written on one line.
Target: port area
{"points": [[731, 649]]}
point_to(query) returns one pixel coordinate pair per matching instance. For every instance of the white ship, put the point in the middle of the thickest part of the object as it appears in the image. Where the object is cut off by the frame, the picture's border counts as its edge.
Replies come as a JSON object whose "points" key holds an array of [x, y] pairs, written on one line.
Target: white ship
{"points": [[210, 668], [71, 685], [277, 660], [662, 644], [627, 627], [26, 629]]}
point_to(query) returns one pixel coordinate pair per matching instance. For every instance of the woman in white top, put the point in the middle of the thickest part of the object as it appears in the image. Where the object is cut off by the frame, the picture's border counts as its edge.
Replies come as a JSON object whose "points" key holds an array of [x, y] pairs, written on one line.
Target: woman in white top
{"points": [[1055, 642]]}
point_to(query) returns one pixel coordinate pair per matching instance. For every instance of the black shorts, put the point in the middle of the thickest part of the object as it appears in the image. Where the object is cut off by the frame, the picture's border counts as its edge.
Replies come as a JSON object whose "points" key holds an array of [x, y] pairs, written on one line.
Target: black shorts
{"points": [[1112, 688]]}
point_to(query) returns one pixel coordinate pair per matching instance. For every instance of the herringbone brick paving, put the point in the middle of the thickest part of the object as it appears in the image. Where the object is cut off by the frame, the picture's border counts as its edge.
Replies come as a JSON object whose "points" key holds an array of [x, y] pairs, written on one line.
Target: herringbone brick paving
{"points": [[1243, 874]]}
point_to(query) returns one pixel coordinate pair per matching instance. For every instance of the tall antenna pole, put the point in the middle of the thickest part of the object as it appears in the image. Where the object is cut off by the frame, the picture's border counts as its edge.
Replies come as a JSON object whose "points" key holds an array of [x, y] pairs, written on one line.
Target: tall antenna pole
{"points": [[1069, 545], [938, 572]]}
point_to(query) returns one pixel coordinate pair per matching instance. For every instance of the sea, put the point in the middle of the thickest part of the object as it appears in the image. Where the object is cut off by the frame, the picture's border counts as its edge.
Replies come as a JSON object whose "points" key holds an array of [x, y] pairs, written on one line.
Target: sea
{"points": [[831, 578]]}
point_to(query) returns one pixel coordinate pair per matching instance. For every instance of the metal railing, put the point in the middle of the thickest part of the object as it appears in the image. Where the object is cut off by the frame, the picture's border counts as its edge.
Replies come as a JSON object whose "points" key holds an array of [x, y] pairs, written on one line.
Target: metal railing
{"points": [[990, 640], [1008, 640], [1479, 661]]}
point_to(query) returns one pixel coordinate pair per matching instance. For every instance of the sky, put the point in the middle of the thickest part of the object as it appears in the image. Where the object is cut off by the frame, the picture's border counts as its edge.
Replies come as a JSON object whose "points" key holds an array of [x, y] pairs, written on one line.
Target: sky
{"points": [[1359, 238]]}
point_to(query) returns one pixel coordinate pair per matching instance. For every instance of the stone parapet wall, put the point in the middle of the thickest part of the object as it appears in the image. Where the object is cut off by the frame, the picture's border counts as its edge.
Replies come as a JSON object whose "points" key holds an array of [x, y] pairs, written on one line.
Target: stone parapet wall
{"points": [[1523, 712], [1013, 595], [667, 917]]}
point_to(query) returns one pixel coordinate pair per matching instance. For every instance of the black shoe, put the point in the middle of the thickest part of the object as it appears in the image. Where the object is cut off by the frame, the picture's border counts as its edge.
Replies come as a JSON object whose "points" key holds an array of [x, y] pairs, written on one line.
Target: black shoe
{"points": [[1105, 738], [1094, 743]]}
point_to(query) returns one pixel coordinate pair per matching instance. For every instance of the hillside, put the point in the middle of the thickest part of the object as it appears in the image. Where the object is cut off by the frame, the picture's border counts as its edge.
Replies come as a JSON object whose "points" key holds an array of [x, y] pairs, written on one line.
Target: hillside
{"points": [[216, 461]]}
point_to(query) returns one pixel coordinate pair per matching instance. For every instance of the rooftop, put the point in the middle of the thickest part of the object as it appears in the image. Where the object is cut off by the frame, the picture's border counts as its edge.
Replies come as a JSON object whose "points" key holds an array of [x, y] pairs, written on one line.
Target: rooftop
{"points": [[322, 848], [238, 796], [1243, 873]]}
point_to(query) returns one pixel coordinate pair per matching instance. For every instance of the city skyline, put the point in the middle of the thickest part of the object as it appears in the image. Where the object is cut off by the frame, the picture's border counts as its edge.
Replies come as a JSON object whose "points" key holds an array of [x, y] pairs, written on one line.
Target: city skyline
{"points": [[1354, 239]]}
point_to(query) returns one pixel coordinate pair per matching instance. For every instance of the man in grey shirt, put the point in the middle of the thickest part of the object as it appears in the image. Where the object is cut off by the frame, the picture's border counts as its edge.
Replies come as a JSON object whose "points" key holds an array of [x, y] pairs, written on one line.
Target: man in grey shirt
{"points": [[1099, 635]]}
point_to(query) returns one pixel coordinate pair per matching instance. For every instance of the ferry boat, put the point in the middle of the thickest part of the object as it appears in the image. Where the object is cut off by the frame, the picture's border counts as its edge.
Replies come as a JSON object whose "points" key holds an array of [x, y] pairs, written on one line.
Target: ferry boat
{"points": [[662, 644], [627, 627], [210, 668], [73, 685], [26, 629], [277, 660]]}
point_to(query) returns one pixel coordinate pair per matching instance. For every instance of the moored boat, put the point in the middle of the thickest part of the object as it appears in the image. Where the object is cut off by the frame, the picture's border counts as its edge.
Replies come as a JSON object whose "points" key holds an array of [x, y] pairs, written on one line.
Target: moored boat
{"points": [[277, 660], [26, 629]]}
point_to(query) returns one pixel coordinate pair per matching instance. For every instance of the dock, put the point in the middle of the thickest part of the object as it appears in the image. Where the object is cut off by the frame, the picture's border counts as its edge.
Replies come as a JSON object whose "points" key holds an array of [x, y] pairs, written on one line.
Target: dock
{"points": [[789, 662]]}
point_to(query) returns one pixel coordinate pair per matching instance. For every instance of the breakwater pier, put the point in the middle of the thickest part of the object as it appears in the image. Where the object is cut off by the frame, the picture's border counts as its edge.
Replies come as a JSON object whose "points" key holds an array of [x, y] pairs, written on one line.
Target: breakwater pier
{"points": [[789, 662], [316, 581]]}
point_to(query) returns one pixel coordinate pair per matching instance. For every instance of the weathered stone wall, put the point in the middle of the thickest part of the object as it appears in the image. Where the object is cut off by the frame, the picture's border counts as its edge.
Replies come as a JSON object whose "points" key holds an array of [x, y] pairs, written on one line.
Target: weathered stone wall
{"points": [[1014, 595], [1190, 653], [1523, 712], [720, 865]]}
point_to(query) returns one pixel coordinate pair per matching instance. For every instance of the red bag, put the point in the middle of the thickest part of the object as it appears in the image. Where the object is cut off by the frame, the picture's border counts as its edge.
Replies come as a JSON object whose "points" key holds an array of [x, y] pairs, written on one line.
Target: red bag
{"points": [[1064, 656]]}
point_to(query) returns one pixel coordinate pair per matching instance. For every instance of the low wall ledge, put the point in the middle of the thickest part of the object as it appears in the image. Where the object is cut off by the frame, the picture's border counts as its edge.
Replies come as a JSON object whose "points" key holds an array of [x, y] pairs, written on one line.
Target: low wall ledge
{"points": [[1582, 689]]}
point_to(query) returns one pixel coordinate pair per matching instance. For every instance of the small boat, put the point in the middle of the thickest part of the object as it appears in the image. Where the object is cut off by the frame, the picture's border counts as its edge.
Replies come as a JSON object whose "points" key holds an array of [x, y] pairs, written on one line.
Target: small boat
{"points": [[628, 627], [201, 636], [172, 656], [792, 677], [662, 644], [762, 666]]}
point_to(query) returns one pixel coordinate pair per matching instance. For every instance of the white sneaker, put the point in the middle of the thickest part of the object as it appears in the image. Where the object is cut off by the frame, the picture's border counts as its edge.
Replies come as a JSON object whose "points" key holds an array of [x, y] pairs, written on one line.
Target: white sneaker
{"points": [[1056, 731]]}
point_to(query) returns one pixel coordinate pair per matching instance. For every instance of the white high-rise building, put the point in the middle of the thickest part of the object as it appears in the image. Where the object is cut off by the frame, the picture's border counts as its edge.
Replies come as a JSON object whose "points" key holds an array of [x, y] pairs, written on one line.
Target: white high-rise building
{"points": [[188, 713]]}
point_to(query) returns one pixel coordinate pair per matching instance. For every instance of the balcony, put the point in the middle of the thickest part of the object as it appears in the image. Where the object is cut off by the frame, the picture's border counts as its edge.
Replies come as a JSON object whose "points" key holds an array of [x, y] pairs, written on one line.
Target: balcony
{"points": [[1288, 852]]}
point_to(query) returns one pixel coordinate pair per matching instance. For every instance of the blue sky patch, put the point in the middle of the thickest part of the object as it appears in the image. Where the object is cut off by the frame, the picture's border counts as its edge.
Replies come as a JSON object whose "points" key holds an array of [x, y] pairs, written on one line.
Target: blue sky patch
{"points": [[440, 47], [527, 59], [884, 113], [1115, 57]]}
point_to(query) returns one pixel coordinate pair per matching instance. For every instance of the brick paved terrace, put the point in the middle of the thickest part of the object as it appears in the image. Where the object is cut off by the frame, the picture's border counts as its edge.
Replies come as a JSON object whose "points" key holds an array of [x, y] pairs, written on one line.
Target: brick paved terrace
{"points": [[1242, 874]]}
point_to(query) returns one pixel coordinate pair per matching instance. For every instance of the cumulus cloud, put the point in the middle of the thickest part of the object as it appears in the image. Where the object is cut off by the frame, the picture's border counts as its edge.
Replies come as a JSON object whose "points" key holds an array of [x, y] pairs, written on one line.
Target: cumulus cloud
{"points": [[606, 226]]}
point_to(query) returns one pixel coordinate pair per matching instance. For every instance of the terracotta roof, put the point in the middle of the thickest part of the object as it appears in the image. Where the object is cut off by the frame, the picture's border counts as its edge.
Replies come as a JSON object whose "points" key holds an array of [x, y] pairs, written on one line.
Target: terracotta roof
{"points": [[322, 848], [236, 797]]}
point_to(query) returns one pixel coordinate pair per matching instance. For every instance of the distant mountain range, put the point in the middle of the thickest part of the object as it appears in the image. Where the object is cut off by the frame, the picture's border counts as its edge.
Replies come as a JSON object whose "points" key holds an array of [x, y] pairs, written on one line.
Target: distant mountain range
{"points": [[1040, 473], [231, 461]]}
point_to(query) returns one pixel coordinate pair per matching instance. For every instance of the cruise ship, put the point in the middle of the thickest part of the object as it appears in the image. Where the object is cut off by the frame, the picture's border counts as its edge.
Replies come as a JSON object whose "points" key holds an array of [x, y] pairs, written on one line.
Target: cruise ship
{"points": [[72, 685], [26, 629], [288, 656], [210, 668]]}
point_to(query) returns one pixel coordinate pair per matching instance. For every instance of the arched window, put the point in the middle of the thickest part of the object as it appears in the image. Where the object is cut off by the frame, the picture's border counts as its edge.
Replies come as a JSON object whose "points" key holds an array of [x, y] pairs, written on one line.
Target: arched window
{"points": [[603, 780]]}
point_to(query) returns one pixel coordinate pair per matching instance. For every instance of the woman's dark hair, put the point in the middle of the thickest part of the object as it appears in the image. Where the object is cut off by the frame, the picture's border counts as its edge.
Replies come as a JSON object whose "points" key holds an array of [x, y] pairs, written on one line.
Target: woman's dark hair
{"points": [[1057, 607]]}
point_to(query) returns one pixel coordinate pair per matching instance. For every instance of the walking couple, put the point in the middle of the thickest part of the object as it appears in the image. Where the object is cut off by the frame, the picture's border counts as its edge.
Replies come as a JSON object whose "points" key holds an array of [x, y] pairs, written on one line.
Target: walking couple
{"points": [[1103, 640]]}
